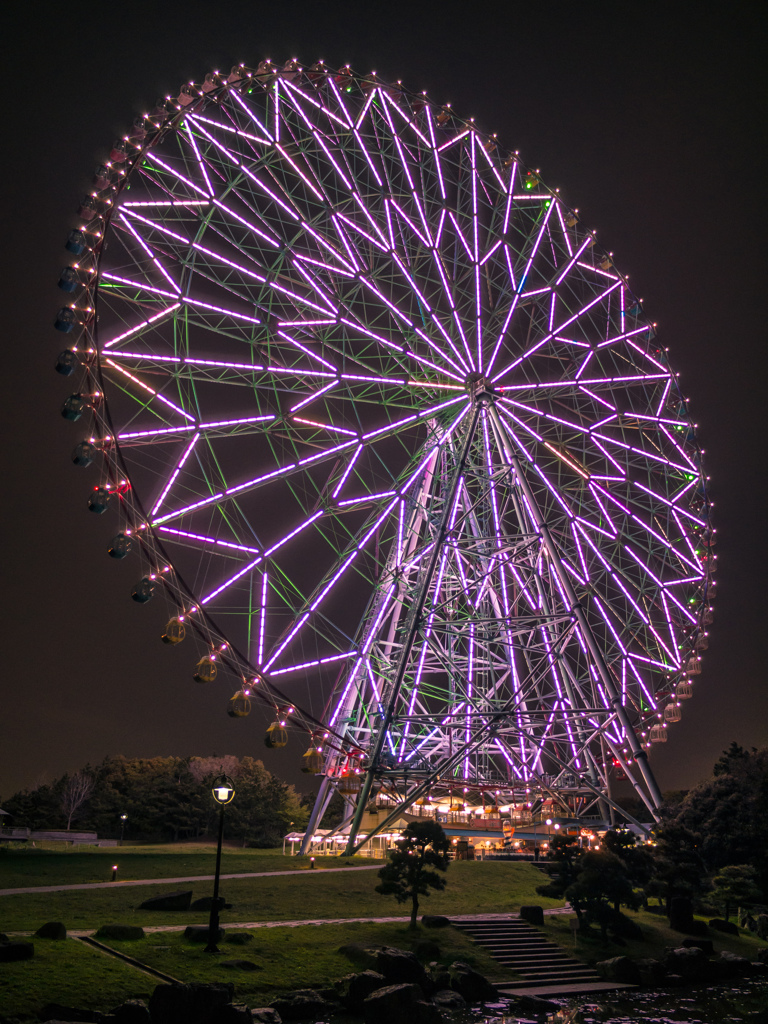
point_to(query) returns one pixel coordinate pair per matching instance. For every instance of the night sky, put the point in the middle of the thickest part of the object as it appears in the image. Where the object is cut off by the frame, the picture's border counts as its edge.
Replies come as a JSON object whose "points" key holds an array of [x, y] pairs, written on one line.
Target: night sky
{"points": [[650, 119]]}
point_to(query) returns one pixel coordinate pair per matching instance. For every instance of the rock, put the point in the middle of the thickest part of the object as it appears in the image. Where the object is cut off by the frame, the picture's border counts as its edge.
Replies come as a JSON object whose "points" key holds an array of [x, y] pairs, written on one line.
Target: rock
{"points": [[168, 901], [731, 965], [188, 1004], [12, 951], [232, 1013], [704, 944], [651, 972], [403, 1002], [206, 902], [397, 965], [691, 964], [241, 965], [447, 999], [474, 987], [724, 926], [762, 955], [55, 1011], [761, 926], [121, 932], [681, 914], [619, 968], [300, 1005], [239, 938], [4, 938], [132, 1011], [200, 933], [533, 915], [435, 921], [52, 930], [266, 1015], [424, 949], [354, 989]]}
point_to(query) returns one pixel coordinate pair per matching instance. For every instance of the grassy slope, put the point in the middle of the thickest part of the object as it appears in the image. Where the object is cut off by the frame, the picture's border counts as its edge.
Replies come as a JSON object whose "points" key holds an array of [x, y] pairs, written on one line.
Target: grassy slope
{"points": [[306, 956], [657, 937], [481, 887], [69, 973], [68, 866]]}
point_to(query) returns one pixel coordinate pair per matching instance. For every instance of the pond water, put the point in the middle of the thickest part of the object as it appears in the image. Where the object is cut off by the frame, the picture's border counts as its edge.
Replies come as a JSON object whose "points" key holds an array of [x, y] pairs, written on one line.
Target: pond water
{"points": [[746, 1003]]}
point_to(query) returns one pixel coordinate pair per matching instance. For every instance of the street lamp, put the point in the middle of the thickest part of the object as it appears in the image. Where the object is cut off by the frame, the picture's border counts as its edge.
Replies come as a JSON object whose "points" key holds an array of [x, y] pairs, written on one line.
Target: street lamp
{"points": [[223, 791], [123, 819]]}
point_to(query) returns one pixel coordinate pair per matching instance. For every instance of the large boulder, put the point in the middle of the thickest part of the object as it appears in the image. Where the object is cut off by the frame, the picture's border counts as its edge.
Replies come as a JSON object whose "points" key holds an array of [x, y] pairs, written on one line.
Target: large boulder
{"points": [[690, 964], [52, 930], [188, 1004], [132, 1011], [651, 972], [731, 965], [533, 915], [470, 984], [120, 932], [703, 944], [400, 1002], [681, 914], [761, 926], [302, 1004], [354, 989], [397, 965], [232, 1013], [206, 902], [435, 921], [11, 951], [168, 901], [619, 968], [447, 999], [720, 925], [266, 1015]]}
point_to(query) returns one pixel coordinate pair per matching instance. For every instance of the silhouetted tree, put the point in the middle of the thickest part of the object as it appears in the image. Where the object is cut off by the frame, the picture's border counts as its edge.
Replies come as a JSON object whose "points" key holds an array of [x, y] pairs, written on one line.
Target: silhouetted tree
{"points": [[413, 865], [76, 790]]}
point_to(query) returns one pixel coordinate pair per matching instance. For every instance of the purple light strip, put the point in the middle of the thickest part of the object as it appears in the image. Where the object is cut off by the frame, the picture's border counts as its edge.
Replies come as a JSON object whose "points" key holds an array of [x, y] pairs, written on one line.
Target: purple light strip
{"points": [[347, 471], [509, 190], [172, 479], [233, 93], [202, 539], [663, 399], [263, 616], [195, 118], [276, 88], [326, 426], [364, 498], [295, 297], [155, 159], [398, 110], [359, 230], [184, 203], [320, 195], [625, 335], [149, 251], [313, 396], [194, 145], [251, 227], [491, 251], [137, 284], [307, 351], [144, 323], [564, 229], [681, 607], [197, 303], [644, 454], [313, 664], [289, 536], [454, 312], [425, 240], [598, 270], [355, 261], [232, 579], [146, 387], [453, 141]]}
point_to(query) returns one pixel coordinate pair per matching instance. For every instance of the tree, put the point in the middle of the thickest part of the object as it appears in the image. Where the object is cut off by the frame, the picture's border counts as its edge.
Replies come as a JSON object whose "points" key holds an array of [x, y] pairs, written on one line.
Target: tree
{"points": [[735, 885], [637, 860], [76, 790], [678, 868], [601, 888], [413, 865], [564, 851]]}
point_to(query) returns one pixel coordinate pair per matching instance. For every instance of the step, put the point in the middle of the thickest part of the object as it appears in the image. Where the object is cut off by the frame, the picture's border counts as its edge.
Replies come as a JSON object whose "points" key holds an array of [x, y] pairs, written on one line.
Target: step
{"points": [[523, 962]]}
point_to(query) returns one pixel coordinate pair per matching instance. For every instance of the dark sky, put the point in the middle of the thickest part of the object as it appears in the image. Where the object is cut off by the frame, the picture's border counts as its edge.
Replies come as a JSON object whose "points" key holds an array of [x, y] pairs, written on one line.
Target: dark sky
{"points": [[649, 117]]}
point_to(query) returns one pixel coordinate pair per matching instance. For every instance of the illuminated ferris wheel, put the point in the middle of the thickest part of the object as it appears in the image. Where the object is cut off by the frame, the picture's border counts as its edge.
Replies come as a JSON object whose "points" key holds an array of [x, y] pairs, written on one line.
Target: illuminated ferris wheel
{"points": [[392, 434]]}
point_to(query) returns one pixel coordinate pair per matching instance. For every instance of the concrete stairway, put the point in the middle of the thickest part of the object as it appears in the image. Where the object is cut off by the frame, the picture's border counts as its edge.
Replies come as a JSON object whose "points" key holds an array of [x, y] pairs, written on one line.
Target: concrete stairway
{"points": [[543, 967]]}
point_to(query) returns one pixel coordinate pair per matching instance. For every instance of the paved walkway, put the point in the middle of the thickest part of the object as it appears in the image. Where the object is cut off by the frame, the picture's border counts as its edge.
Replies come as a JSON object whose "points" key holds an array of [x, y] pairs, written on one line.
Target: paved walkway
{"points": [[177, 881]]}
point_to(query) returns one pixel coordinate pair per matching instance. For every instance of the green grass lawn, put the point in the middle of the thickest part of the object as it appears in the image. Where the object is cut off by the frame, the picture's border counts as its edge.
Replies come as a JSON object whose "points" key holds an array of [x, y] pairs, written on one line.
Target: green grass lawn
{"points": [[71, 866], [306, 956], [473, 887], [69, 973], [657, 936]]}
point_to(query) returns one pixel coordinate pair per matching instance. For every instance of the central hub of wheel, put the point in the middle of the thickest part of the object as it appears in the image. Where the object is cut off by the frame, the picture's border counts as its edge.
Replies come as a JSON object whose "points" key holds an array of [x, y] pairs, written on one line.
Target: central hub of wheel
{"points": [[479, 388]]}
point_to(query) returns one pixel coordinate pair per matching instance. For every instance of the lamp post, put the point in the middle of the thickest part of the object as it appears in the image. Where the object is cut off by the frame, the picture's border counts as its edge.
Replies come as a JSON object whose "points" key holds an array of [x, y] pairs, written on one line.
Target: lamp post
{"points": [[223, 791], [123, 819]]}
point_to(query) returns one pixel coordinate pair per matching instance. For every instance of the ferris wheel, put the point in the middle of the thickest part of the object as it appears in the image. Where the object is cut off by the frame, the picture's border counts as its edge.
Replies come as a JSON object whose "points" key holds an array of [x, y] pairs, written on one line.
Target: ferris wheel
{"points": [[393, 436]]}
